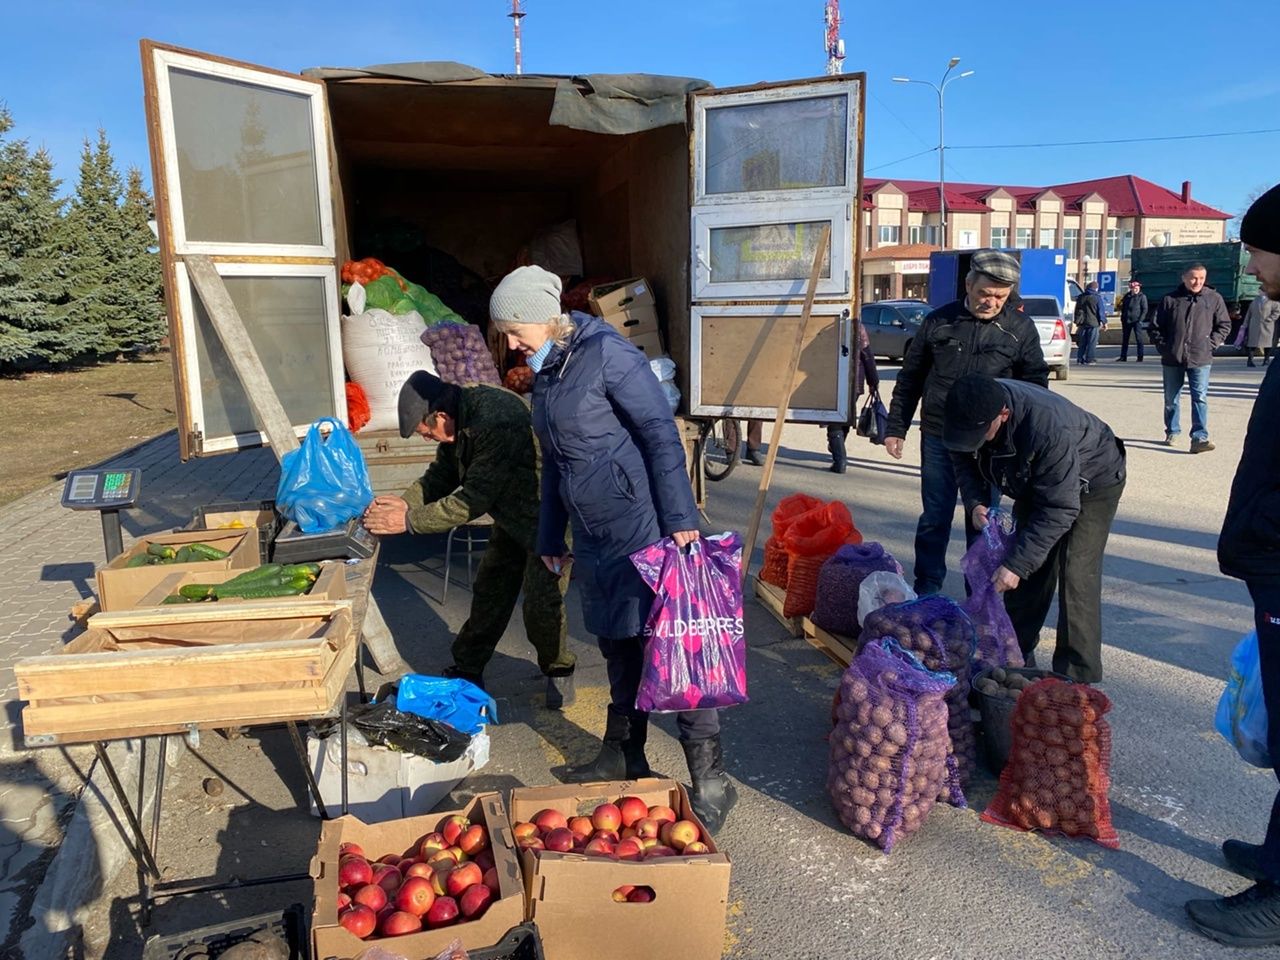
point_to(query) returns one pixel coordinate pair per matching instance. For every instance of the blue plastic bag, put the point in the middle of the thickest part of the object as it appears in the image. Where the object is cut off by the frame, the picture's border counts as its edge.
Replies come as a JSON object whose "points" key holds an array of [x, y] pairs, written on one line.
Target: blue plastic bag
{"points": [[459, 703], [324, 483], [1242, 711]]}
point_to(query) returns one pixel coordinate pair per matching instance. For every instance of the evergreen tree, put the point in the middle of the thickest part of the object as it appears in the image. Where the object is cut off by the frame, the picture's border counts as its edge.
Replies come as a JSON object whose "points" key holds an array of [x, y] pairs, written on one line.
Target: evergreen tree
{"points": [[15, 341], [140, 274]]}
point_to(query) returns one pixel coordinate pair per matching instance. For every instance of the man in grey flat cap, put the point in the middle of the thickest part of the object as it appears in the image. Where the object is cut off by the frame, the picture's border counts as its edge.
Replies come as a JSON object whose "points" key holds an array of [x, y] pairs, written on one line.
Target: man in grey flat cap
{"points": [[980, 333]]}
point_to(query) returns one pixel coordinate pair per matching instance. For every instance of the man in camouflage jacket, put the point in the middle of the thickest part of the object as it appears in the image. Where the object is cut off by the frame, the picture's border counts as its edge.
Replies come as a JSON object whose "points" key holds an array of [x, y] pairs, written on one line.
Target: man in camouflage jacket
{"points": [[487, 462]]}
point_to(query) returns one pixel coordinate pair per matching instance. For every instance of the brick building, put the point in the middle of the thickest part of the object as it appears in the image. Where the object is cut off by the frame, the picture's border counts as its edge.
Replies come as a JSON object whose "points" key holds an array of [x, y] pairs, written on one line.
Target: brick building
{"points": [[1098, 222]]}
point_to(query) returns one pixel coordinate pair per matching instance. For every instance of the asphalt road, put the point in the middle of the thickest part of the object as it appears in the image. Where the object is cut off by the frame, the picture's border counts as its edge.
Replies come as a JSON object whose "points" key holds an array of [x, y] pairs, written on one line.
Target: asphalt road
{"points": [[802, 886]]}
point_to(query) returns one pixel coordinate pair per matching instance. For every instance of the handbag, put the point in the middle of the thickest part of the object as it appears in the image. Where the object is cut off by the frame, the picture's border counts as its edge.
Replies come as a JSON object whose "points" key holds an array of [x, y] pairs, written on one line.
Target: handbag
{"points": [[873, 421]]}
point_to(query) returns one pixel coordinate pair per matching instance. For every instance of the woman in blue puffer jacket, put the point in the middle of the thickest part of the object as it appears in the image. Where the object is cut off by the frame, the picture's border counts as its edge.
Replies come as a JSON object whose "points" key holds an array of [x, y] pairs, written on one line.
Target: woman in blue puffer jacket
{"points": [[613, 471]]}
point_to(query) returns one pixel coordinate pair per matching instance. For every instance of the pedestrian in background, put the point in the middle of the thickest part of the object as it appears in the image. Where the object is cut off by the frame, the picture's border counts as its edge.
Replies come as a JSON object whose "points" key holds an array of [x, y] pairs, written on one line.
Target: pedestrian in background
{"points": [[755, 434], [613, 471], [1260, 323], [1249, 549], [1189, 325], [1133, 316], [980, 333], [865, 376], [1091, 316]]}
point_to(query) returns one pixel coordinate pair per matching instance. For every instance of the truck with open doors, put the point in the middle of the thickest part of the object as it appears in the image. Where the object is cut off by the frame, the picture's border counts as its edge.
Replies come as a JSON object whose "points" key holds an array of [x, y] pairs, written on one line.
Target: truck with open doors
{"points": [[717, 197]]}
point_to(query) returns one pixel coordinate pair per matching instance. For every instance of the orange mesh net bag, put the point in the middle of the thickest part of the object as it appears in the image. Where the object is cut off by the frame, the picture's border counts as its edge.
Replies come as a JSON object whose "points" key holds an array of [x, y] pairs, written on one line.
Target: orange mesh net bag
{"points": [[810, 541], [1058, 777], [784, 514], [357, 406]]}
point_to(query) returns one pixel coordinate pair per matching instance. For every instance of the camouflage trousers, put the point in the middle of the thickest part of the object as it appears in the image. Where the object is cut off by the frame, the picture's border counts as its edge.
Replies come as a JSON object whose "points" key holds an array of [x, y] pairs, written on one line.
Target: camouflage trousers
{"points": [[505, 568]]}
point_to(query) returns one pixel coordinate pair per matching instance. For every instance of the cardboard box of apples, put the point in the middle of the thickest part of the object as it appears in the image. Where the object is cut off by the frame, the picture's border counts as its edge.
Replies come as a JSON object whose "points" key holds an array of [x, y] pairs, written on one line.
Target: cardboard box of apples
{"points": [[628, 857], [422, 881]]}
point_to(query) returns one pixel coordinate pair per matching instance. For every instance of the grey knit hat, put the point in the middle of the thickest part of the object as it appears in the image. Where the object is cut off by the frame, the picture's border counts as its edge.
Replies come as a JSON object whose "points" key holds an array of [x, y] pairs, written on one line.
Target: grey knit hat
{"points": [[526, 295]]}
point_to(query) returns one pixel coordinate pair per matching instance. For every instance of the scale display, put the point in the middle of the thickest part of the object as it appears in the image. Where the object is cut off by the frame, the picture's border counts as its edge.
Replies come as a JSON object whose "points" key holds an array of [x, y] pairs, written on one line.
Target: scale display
{"points": [[102, 489]]}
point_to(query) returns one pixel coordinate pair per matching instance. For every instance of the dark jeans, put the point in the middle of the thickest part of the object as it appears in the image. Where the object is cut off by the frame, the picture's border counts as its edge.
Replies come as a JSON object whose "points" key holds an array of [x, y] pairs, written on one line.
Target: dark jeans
{"points": [[938, 490], [1125, 330], [1086, 344], [1074, 571], [1266, 618], [624, 662], [1197, 380], [836, 437]]}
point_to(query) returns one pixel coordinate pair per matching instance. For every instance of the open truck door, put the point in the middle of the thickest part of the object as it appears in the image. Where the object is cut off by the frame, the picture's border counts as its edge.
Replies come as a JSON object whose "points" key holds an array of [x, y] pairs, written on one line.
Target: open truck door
{"points": [[771, 166], [241, 160]]}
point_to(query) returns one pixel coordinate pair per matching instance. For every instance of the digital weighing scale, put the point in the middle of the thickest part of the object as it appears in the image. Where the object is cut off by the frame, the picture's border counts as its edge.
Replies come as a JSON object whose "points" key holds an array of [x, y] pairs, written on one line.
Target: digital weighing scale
{"points": [[348, 540], [107, 491]]}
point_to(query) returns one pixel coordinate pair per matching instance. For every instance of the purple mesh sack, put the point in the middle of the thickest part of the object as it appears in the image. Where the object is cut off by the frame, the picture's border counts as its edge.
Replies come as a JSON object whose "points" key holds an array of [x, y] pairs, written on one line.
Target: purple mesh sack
{"points": [[839, 581], [997, 643], [888, 757], [936, 631], [460, 354]]}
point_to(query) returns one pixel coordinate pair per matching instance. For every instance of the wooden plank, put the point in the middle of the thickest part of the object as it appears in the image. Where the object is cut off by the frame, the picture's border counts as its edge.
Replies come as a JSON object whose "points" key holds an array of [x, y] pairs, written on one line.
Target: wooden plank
{"points": [[293, 608], [784, 401], [740, 353], [839, 648], [773, 599]]}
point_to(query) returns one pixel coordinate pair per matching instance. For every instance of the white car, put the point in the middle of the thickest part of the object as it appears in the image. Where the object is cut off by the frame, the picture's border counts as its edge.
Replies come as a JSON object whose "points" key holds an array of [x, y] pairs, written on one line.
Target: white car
{"points": [[1055, 336]]}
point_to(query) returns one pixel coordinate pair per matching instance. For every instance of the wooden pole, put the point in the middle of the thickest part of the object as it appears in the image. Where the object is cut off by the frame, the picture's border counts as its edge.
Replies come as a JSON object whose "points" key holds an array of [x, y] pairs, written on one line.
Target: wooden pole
{"points": [[784, 401], [272, 417]]}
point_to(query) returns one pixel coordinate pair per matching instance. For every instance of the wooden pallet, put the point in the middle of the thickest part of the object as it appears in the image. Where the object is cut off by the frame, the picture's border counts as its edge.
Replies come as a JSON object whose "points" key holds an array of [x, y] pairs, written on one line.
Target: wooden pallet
{"points": [[839, 648], [773, 599]]}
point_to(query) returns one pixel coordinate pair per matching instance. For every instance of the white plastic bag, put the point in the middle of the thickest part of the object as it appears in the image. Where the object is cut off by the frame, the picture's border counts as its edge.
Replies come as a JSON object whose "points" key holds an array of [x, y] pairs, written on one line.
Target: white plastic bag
{"points": [[380, 350], [664, 368], [881, 588]]}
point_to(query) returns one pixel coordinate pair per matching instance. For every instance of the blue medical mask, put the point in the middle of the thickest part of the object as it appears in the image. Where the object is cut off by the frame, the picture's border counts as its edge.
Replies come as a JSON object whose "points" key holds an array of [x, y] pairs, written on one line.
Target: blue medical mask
{"points": [[538, 358]]}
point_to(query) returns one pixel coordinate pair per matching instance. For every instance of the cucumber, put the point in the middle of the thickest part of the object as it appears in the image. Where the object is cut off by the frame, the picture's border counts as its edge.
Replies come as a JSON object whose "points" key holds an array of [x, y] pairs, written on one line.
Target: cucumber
{"points": [[186, 555], [177, 598], [261, 592], [205, 552], [197, 591], [141, 560], [310, 570], [162, 550], [267, 571], [303, 583]]}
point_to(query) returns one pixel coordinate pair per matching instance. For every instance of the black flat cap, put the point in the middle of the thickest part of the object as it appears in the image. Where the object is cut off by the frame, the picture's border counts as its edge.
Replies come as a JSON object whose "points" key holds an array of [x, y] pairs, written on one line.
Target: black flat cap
{"points": [[418, 395], [972, 403], [997, 265]]}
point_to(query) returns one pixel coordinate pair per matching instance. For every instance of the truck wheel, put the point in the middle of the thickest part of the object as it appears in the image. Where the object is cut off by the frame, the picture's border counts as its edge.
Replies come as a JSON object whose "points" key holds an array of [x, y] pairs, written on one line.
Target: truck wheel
{"points": [[1060, 373]]}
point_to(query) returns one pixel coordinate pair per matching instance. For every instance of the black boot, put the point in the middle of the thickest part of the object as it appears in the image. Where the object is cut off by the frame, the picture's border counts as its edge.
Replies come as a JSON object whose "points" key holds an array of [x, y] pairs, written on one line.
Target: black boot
{"points": [[621, 754], [1249, 919], [713, 793]]}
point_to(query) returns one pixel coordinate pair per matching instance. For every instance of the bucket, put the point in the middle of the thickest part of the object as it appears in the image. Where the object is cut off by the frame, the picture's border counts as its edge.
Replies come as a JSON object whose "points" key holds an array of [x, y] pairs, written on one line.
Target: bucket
{"points": [[997, 715]]}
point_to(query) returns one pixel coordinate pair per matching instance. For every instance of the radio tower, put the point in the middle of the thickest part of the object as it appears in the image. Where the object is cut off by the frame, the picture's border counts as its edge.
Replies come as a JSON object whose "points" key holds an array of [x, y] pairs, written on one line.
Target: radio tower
{"points": [[516, 16], [831, 41]]}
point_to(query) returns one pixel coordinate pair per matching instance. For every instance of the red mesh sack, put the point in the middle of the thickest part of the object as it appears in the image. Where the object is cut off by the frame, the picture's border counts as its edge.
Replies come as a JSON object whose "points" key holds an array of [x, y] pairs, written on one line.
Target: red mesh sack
{"points": [[357, 407], [1058, 776], [888, 751], [810, 540], [775, 563], [939, 633], [789, 509]]}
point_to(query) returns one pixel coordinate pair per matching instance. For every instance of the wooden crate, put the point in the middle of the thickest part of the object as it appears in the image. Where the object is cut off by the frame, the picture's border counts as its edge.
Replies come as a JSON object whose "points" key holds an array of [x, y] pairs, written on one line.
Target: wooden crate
{"points": [[331, 585], [839, 648], [772, 598], [173, 669]]}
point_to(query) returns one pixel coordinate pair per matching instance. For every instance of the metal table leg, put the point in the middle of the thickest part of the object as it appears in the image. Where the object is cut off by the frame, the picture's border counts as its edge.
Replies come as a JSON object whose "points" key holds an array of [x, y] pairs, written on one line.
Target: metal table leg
{"points": [[145, 885], [301, 750], [141, 851], [342, 731]]}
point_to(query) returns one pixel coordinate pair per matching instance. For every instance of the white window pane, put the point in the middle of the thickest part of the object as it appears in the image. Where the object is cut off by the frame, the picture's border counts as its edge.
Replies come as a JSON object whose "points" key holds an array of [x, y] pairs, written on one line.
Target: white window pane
{"points": [[782, 145], [771, 251], [246, 161], [287, 321]]}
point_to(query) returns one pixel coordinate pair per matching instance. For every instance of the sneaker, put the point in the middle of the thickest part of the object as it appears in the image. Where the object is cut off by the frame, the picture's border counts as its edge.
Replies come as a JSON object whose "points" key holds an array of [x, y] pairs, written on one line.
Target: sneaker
{"points": [[1249, 919], [1244, 858], [754, 458], [1122, 359], [1202, 446], [560, 692], [1169, 439], [453, 672]]}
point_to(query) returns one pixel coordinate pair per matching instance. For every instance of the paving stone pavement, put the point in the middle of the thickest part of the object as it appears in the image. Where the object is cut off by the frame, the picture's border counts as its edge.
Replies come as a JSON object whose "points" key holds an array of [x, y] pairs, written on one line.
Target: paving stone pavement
{"points": [[49, 555]]}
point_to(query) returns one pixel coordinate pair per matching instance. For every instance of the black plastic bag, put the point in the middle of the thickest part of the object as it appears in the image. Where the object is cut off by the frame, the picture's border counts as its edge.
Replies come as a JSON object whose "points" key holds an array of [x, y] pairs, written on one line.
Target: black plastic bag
{"points": [[381, 723]]}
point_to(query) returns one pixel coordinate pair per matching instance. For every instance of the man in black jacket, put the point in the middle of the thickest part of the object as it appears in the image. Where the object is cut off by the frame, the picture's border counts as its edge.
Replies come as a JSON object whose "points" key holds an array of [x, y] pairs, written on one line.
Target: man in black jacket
{"points": [[1133, 314], [1090, 317], [1189, 325], [1249, 549], [1065, 471], [982, 333]]}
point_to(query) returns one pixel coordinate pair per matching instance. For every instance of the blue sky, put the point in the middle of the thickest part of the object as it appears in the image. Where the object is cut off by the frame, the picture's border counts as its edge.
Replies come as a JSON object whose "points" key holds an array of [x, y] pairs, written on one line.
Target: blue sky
{"points": [[1044, 72]]}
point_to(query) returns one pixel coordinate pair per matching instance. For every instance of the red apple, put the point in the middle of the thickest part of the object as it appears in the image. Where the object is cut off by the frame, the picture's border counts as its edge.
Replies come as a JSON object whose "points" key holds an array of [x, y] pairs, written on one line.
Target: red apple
{"points": [[491, 880], [457, 853], [524, 829], [621, 893], [418, 869], [443, 912], [354, 872], [453, 827], [582, 827], [647, 827], [629, 849], [430, 844], [440, 881], [632, 809], [475, 900], [599, 847], [695, 848], [372, 896], [390, 859], [344, 901], [606, 817], [443, 856], [664, 831], [683, 832], [648, 842], [350, 848], [387, 877], [400, 923], [463, 876], [628, 833], [531, 843], [404, 864], [548, 820], [661, 850], [560, 839], [663, 814], [640, 895], [359, 920], [474, 839], [605, 835], [484, 859], [415, 896]]}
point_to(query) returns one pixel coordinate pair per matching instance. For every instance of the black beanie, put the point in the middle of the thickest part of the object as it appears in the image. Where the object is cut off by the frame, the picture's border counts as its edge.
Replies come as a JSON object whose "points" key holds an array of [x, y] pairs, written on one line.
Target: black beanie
{"points": [[1260, 226]]}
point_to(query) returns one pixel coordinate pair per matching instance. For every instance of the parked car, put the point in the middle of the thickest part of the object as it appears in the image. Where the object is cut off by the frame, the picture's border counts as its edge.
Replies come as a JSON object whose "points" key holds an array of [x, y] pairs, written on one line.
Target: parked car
{"points": [[891, 325], [1055, 340]]}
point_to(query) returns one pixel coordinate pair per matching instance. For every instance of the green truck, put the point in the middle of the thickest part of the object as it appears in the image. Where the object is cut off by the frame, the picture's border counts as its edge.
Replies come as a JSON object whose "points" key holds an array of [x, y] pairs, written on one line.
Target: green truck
{"points": [[1160, 270]]}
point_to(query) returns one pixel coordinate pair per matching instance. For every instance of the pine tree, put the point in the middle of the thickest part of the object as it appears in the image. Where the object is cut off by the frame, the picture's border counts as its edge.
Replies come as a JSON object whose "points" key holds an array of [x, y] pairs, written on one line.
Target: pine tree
{"points": [[15, 341], [140, 274]]}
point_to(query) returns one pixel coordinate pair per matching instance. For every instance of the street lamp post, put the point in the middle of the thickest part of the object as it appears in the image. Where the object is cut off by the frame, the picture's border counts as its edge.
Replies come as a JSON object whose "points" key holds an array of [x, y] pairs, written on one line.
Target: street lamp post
{"points": [[940, 88]]}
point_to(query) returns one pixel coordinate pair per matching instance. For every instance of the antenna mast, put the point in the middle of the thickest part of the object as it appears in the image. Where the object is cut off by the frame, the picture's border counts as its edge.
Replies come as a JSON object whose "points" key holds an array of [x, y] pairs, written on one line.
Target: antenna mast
{"points": [[831, 41], [516, 16]]}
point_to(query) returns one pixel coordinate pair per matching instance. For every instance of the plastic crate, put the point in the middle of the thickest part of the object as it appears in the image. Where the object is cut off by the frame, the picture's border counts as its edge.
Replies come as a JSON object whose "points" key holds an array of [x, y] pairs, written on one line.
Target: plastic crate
{"points": [[266, 532], [520, 943], [997, 716], [206, 943]]}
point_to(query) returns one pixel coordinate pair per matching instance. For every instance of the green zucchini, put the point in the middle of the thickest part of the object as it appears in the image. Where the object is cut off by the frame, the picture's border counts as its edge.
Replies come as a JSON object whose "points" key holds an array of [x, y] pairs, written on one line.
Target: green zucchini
{"points": [[164, 551], [205, 552]]}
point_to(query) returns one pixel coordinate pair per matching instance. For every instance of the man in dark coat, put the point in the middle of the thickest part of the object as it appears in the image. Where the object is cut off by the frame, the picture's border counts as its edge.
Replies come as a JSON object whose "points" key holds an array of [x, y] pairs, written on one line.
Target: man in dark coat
{"points": [[486, 463], [1090, 317], [1189, 325], [981, 333], [1249, 549], [1064, 470], [1133, 316]]}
